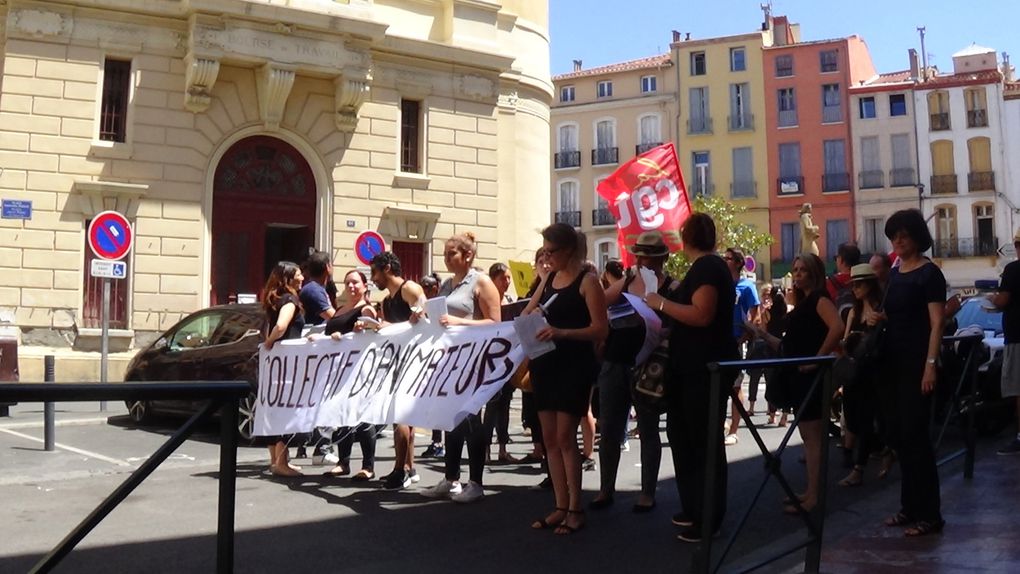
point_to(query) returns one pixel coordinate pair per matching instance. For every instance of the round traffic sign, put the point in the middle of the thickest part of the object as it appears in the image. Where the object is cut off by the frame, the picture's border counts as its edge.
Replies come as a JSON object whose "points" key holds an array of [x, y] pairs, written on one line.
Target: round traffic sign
{"points": [[368, 245], [750, 264], [110, 235]]}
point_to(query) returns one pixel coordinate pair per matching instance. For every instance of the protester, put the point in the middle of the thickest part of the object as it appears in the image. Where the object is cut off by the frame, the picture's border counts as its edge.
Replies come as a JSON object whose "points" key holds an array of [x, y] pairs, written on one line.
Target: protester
{"points": [[838, 284], [882, 265], [744, 310], [813, 328], [702, 332], [913, 314], [574, 305], [529, 414], [497, 416], [774, 323], [1007, 298], [614, 383], [404, 301], [860, 399], [471, 299], [355, 306], [430, 285], [612, 273], [313, 295], [285, 320]]}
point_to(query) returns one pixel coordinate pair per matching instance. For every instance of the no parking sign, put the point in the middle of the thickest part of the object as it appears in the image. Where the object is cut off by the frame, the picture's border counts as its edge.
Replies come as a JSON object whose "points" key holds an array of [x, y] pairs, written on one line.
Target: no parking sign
{"points": [[110, 236], [368, 245]]}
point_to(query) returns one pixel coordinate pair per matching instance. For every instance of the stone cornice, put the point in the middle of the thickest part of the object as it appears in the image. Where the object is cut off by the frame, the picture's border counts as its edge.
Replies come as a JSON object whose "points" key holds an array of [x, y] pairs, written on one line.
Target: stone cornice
{"points": [[98, 196]]}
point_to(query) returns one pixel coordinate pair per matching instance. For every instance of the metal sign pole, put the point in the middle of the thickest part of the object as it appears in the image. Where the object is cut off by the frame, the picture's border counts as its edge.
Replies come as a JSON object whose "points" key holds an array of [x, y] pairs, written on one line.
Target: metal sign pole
{"points": [[104, 348]]}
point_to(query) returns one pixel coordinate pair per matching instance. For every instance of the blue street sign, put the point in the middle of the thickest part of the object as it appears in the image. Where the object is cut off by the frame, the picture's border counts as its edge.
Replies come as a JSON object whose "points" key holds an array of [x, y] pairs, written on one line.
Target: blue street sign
{"points": [[16, 209]]}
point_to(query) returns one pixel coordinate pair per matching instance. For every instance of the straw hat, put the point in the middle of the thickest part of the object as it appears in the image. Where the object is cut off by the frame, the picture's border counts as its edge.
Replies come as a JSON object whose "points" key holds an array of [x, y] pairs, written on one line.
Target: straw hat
{"points": [[862, 272], [650, 244]]}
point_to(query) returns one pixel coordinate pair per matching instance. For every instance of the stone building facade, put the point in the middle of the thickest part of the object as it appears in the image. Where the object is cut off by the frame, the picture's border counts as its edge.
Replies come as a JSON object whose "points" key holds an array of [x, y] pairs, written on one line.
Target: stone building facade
{"points": [[236, 133]]}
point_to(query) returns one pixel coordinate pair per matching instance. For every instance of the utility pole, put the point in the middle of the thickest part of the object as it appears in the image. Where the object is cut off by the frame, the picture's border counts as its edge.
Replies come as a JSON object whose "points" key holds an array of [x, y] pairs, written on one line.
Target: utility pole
{"points": [[924, 56]]}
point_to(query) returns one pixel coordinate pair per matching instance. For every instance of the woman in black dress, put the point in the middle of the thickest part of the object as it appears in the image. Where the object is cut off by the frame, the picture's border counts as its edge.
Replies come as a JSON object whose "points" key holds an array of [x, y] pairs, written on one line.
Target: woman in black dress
{"points": [[914, 314], [575, 308], [285, 319]]}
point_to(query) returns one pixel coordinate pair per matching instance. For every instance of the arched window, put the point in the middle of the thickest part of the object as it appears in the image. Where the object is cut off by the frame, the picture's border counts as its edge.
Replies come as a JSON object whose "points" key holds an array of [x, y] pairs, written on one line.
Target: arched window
{"points": [[568, 202], [943, 179], [985, 242], [981, 177]]}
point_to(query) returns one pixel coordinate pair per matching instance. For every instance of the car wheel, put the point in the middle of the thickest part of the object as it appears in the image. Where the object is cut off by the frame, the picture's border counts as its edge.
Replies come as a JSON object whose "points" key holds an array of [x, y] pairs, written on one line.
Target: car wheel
{"points": [[139, 411], [246, 417]]}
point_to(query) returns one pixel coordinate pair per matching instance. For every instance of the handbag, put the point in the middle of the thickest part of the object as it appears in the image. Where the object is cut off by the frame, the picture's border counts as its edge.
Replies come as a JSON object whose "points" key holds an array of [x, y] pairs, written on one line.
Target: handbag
{"points": [[872, 341], [648, 380]]}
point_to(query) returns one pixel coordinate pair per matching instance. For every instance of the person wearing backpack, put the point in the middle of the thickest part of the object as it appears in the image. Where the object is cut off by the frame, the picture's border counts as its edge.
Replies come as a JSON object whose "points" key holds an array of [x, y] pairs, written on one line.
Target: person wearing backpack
{"points": [[838, 284]]}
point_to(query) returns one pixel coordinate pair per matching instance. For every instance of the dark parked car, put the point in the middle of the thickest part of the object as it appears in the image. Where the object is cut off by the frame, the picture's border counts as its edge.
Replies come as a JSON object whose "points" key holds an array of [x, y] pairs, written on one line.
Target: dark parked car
{"points": [[216, 344]]}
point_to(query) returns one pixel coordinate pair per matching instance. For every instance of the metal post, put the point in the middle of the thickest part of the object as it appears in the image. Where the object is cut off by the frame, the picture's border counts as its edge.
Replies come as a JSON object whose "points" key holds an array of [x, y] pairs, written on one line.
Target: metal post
{"points": [[49, 432], [813, 556], [971, 433], [228, 482], [104, 348], [702, 561]]}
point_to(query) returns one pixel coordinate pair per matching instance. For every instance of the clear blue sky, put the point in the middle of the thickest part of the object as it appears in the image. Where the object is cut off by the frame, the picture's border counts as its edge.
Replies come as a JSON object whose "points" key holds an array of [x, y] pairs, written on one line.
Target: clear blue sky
{"points": [[601, 32]]}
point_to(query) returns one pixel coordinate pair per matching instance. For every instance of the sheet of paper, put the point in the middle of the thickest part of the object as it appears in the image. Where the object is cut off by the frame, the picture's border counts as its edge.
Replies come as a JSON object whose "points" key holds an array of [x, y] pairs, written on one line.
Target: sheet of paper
{"points": [[648, 277], [527, 327], [436, 308], [653, 327]]}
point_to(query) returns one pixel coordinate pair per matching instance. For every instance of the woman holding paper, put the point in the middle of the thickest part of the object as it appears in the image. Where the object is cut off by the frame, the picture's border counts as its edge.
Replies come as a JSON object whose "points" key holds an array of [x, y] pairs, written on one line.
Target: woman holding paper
{"points": [[285, 319], [574, 306], [471, 299]]}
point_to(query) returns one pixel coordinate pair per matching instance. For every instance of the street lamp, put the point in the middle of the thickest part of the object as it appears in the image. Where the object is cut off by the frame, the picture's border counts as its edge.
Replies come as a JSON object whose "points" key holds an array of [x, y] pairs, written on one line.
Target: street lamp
{"points": [[920, 197]]}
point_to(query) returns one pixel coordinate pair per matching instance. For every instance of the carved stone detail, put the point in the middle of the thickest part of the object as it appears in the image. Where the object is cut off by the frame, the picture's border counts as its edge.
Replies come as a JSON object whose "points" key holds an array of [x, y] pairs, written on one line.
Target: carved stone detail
{"points": [[274, 87], [42, 23], [200, 78], [352, 90], [477, 87]]}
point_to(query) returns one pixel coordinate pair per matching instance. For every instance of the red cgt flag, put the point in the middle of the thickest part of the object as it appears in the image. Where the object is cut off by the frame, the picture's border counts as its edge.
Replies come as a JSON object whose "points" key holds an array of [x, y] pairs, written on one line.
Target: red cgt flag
{"points": [[645, 194]]}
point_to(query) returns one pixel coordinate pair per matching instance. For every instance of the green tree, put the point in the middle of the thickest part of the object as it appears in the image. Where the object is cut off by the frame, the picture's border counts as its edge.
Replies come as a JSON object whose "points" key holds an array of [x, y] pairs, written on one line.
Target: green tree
{"points": [[730, 231]]}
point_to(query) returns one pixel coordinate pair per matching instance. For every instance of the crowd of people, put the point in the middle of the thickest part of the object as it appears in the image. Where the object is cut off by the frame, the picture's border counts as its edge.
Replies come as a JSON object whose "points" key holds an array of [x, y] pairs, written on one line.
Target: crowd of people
{"points": [[886, 322]]}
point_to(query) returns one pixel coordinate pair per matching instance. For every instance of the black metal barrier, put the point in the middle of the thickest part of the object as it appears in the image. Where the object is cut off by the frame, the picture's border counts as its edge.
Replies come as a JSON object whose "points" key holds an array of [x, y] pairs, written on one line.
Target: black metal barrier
{"points": [[723, 373], [959, 405], [223, 396]]}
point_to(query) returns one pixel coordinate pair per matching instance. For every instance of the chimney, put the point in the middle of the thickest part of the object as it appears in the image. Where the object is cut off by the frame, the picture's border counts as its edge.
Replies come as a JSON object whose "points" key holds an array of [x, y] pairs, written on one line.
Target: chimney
{"points": [[915, 64], [676, 35], [577, 65], [687, 37], [1007, 69]]}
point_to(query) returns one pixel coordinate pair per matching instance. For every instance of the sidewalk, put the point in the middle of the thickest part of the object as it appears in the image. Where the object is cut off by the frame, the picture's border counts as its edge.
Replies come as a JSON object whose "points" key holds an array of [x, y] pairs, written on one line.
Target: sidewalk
{"points": [[30, 415]]}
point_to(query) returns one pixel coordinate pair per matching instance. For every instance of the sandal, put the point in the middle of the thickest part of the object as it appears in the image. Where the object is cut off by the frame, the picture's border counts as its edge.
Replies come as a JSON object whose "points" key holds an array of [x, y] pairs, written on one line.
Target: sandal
{"points": [[363, 475], [545, 523], [565, 529], [855, 478], [924, 528], [898, 519], [338, 470]]}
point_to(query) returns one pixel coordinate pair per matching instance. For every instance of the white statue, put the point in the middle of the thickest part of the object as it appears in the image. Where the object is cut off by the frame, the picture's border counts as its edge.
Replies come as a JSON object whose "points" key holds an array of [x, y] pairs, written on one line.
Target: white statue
{"points": [[808, 231]]}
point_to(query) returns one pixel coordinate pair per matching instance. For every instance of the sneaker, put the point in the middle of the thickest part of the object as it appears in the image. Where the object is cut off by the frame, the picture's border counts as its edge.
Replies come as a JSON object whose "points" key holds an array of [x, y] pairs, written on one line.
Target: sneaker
{"points": [[626, 446], [589, 464], [328, 457], [1012, 448], [731, 439], [399, 480], [412, 475], [470, 493], [443, 489], [440, 452], [429, 452], [681, 519]]}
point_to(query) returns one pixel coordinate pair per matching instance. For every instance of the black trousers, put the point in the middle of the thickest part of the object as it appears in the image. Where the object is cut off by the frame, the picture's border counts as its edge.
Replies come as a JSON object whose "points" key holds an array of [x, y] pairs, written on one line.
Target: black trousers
{"points": [[529, 416], [497, 414], [688, 432], [366, 435], [906, 412], [472, 431]]}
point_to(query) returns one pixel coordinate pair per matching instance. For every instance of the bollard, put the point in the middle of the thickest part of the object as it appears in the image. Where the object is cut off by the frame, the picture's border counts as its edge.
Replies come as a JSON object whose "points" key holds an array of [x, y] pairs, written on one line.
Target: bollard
{"points": [[49, 413]]}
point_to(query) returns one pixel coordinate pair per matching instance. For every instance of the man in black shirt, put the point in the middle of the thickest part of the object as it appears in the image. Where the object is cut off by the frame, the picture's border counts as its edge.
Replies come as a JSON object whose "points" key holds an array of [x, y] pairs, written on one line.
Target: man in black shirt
{"points": [[1007, 298]]}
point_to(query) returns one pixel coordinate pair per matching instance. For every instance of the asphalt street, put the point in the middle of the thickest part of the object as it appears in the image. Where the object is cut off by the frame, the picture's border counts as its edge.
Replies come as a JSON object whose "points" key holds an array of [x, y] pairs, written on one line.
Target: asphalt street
{"points": [[325, 524]]}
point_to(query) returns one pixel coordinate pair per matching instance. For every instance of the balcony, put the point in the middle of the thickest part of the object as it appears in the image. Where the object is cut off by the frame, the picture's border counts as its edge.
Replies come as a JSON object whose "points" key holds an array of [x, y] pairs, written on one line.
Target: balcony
{"points": [[740, 189], [699, 126], [871, 179], [832, 114], [741, 122], [701, 188], [965, 247], [977, 118], [902, 177], [787, 118], [567, 159], [605, 156], [572, 218], [981, 181], [836, 182], [939, 122], [602, 216], [642, 148], [944, 184], [790, 185]]}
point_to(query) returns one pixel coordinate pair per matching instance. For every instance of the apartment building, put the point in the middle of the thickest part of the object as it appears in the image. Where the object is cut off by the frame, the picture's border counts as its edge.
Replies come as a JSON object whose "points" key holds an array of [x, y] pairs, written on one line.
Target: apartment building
{"points": [[602, 117], [807, 117], [237, 133], [884, 147], [1011, 131], [961, 163], [722, 145]]}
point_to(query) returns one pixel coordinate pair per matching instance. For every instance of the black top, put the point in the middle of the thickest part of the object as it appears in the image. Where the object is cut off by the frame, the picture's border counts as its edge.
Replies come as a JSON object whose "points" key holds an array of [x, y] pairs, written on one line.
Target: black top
{"points": [[296, 324], [1010, 283], [691, 348], [906, 304], [394, 308], [805, 329], [569, 310], [343, 323]]}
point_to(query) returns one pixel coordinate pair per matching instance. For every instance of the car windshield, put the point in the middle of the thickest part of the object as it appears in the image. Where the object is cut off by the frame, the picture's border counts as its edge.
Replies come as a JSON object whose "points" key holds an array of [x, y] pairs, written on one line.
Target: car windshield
{"points": [[973, 312]]}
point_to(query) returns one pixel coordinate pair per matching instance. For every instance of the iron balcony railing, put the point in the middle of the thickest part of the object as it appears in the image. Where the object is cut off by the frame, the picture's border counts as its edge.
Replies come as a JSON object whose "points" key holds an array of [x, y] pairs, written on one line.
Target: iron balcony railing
{"points": [[832, 114], [790, 185], [871, 179], [566, 159], [738, 122], [944, 184], [981, 181], [835, 182], [602, 216], [787, 118], [977, 118], [744, 189], [902, 177], [569, 217], [699, 126], [642, 148], [605, 155], [965, 247], [939, 121], [702, 188]]}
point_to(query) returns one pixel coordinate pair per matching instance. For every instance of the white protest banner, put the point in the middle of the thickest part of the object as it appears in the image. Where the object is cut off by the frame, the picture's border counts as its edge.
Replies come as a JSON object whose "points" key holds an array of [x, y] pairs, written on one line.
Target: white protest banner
{"points": [[422, 375]]}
